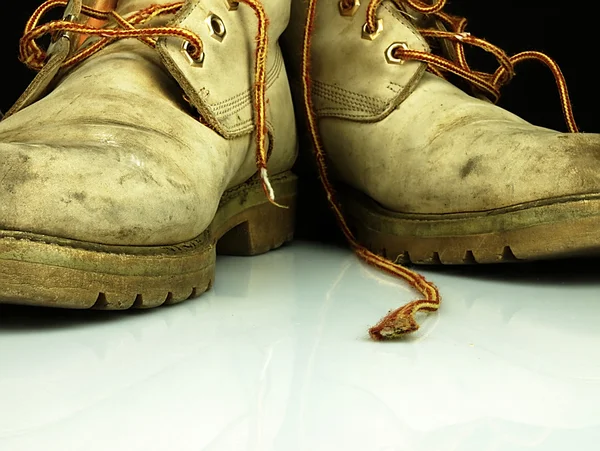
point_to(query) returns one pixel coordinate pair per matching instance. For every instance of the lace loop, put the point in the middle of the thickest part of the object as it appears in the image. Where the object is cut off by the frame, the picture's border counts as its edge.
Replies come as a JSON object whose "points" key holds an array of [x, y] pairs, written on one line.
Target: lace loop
{"points": [[489, 83], [32, 55]]}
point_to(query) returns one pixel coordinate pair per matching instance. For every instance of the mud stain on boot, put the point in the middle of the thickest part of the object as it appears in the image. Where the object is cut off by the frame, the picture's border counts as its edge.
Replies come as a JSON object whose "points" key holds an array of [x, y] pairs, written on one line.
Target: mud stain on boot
{"points": [[14, 172], [469, 167]]}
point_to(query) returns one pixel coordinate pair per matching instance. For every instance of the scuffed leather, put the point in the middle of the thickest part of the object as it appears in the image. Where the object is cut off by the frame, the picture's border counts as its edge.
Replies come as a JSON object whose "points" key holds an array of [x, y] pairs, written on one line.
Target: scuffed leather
{"points": [[58, 52], [115, 155], [441, 151], [40, 83]]}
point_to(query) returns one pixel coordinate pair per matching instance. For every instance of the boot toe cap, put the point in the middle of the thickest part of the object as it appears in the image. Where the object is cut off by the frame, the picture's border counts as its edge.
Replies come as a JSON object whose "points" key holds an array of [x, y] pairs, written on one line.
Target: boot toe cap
{"points": [[103, 194]]}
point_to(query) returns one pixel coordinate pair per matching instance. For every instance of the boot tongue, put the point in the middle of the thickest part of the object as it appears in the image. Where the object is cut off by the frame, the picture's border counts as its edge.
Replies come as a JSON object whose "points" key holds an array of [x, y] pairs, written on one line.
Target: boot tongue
{"points": [[125, 7], [420, 20]]}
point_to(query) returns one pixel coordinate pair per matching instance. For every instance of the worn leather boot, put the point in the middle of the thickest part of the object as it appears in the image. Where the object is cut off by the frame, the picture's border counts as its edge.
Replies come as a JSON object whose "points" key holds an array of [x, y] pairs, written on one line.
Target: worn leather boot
{"points": [[425, 172], [141, 150]]}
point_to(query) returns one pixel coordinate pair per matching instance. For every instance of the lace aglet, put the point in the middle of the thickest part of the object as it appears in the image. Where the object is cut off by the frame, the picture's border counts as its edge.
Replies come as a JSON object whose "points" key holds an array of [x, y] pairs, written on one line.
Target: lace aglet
{"points": [[396, 324], [268, 188], [400, 322]]}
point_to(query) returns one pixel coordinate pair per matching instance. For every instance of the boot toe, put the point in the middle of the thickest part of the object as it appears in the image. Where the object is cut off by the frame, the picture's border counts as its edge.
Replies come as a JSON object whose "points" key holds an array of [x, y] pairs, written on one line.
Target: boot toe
{"points": [[100, 194]]}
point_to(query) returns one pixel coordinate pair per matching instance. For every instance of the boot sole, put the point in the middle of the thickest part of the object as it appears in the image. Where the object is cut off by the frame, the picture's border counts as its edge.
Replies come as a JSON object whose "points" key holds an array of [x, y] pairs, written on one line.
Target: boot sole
{"points": [[556, 228], [53, 272]]}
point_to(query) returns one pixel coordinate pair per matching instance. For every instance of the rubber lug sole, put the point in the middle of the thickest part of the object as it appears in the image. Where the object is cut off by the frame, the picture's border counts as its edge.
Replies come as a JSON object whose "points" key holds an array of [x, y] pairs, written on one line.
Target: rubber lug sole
{"points": [[52, 272], [551, 229]]}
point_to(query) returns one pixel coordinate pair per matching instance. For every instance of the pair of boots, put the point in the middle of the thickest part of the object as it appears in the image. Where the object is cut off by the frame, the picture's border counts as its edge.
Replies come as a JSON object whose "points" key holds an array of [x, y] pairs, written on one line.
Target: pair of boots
{"points": [[158, 133]]}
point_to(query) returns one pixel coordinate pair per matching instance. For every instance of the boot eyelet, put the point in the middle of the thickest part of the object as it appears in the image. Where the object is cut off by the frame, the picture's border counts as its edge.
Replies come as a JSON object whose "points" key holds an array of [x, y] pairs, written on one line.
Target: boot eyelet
{"points": [[69, 36], [349, 11], [64, 34], [233, 5], [216, 27], [390, 52], [372, 35], [186, 49]]}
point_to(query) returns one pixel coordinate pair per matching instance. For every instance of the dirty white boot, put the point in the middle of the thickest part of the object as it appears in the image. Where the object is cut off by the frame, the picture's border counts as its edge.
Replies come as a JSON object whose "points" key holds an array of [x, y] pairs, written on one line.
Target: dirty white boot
{"points": [[423, 171], [430, 172], [134, 157]]}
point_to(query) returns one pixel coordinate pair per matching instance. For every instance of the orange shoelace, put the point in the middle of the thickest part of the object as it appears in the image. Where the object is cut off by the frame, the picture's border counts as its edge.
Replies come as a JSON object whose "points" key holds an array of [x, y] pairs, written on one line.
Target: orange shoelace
{"points": [[32, 55], [402, 320]]}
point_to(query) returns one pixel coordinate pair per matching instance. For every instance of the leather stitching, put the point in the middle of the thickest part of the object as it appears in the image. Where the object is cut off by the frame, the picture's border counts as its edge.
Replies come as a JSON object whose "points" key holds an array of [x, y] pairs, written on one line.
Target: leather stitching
{"points": [[240, 101], [347, 98]]}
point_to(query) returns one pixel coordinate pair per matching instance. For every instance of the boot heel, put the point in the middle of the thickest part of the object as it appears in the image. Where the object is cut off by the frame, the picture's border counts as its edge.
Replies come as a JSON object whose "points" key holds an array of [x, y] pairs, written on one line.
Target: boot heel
{"points": [[260, 229]]}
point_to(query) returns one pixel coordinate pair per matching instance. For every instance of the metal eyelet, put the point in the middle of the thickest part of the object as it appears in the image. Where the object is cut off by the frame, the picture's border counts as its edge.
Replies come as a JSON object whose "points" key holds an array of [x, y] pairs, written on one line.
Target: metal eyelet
{"points": [[216, 27], [233, 5], [371, 36], [185, 50], [349, 12], [65, 34], [389, 53], [69, 16]]}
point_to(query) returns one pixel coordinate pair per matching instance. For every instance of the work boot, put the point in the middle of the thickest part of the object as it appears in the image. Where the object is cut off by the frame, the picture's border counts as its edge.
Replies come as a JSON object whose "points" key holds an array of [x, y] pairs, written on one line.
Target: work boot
{"points": [[419, 170], [427, 173], [129, 162]]}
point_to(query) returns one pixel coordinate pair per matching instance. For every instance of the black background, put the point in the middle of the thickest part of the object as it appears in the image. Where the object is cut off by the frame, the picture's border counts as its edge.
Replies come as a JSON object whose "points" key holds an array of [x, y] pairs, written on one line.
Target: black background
{"points": [[565, 34]]}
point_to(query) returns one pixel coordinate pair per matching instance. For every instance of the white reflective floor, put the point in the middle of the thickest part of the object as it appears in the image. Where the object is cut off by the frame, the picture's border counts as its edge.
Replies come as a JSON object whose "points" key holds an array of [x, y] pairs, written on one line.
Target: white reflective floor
{"points": [[277, 357]]}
